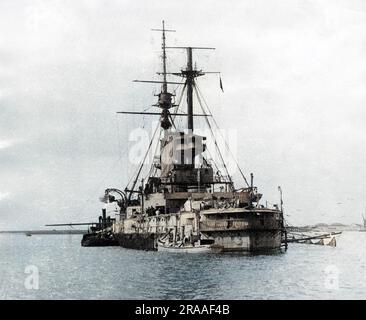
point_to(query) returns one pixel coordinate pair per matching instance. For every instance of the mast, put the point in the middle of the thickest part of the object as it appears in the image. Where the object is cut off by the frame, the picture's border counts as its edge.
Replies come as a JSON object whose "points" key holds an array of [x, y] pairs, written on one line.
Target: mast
{"points": [[165, 86], [190, 83], [164, 102], [190, 74], [165, 98]]}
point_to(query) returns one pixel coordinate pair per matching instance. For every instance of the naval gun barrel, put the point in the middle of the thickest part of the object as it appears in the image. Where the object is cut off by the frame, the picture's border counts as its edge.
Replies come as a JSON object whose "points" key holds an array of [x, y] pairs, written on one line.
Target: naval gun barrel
{"points": [[71, 224]]}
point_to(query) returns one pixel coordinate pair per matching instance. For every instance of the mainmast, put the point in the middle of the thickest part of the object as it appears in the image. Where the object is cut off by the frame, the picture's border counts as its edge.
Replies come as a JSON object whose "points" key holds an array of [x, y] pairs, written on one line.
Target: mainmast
{"points": [[190, 83], [190, 74]]}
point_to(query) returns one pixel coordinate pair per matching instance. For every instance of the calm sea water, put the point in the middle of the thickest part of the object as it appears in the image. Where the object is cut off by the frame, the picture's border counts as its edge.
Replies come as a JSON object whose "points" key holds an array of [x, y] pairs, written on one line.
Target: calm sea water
{"points": [[68, 271]]}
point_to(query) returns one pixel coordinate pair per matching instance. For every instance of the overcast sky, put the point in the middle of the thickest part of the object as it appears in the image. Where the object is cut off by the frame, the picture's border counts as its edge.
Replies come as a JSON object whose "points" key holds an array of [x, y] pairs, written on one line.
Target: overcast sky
{"points": [[294, 75]]}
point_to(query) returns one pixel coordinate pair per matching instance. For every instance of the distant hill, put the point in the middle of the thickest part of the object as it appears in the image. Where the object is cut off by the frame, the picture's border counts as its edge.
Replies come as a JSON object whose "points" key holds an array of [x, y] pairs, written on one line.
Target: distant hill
{"points": [[332, 227]]}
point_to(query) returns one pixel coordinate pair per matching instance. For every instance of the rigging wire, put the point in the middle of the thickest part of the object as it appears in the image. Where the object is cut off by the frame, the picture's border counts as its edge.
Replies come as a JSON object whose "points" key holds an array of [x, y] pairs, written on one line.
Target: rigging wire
{"points": [[199, 93], [143, 161], [214, 163], [172, 117], [149, 174], [101, 181], [114, 164], [179, 101], [213, 136]]}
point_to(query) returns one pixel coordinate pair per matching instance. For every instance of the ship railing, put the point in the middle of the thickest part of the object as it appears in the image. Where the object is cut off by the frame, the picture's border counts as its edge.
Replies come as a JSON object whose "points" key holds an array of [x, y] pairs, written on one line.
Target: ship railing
{"points": [[246, 190], [225, 224]]}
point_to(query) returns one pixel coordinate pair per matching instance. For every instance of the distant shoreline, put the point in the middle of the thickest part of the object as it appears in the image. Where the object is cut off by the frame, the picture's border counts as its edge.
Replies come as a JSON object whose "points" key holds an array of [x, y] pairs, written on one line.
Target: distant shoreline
{"points": [[324, 227], [40, 232]]}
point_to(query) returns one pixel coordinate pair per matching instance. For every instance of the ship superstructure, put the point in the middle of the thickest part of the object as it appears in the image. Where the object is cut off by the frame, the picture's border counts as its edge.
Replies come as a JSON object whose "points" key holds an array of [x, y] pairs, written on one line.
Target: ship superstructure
{"points": [[185, 203]]}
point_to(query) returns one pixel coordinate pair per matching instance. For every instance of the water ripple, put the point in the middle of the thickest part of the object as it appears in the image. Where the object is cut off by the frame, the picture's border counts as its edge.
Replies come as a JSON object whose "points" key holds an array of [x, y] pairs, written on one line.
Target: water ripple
{"points": [[69, 271]]}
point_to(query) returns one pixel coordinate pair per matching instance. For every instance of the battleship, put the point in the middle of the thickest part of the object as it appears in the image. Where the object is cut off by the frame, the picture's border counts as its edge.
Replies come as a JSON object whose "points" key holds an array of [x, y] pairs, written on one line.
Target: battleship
{"points": [[185, 204], [363, 228]]}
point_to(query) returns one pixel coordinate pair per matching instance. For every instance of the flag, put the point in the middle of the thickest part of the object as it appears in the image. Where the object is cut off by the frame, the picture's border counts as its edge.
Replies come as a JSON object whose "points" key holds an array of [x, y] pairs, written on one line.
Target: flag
{"points": [[221, 85]]}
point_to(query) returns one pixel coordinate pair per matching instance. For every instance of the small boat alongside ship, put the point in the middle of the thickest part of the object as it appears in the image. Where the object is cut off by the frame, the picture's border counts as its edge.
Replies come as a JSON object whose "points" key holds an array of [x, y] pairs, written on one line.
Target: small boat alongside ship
{"points": [[181, 248]]}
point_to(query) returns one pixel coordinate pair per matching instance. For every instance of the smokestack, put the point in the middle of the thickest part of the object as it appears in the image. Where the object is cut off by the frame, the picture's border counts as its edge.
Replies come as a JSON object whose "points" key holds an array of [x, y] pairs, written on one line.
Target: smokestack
{"points": [[104, 214]]}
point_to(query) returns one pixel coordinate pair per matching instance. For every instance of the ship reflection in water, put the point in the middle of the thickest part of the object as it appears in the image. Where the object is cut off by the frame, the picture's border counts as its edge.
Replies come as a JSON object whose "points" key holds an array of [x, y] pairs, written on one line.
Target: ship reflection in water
{"points": [[69, 271]]}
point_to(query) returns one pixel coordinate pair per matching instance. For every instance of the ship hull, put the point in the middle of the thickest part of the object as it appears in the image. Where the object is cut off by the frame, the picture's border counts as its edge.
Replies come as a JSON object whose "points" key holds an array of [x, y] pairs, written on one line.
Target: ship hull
{"points": [[239, 241], [247, 240], [98, 240], [139, 241], [231, 230]]}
